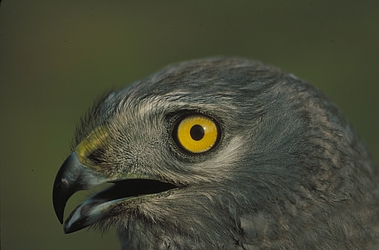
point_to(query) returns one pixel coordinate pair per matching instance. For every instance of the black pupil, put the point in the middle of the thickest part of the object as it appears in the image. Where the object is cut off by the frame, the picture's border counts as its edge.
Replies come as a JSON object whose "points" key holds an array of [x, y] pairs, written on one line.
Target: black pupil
{"points": [[197, 132]]}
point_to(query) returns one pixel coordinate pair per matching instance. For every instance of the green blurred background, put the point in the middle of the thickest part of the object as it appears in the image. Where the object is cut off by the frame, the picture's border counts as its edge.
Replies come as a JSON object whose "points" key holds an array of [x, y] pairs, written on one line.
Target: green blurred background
{"points": [[56, 57]]}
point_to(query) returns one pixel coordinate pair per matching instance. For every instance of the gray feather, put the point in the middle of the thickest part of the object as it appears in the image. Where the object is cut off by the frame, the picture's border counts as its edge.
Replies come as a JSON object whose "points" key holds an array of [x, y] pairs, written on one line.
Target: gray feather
{"points": [[288, 173]]}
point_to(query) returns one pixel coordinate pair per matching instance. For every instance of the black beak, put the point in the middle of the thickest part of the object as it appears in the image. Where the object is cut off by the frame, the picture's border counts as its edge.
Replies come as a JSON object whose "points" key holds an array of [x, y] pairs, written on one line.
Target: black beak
{"points": [[73, 176]]}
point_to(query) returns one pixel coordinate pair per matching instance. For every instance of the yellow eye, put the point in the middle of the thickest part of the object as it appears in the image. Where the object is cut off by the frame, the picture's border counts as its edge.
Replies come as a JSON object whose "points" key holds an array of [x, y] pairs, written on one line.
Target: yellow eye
{"points": [[197, 133]]}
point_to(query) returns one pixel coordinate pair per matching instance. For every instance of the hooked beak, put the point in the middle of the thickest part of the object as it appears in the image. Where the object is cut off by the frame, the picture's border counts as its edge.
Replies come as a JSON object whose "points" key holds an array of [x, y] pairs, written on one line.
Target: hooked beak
{"points": [[73, 176]]}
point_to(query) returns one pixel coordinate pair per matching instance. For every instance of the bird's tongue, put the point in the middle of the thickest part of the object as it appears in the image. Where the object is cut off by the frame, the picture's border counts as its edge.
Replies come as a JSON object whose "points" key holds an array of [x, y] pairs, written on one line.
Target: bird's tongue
{"points": [[132, 188]]}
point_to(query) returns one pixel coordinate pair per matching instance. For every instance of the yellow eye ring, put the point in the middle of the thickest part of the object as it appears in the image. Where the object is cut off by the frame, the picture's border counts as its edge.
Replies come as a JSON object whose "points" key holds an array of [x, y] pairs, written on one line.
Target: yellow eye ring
{"points": [[197, 133]]}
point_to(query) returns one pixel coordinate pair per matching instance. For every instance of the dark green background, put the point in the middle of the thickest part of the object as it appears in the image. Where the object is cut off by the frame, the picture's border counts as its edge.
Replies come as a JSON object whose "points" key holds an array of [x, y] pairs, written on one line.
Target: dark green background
{"points": [[57, 56]]}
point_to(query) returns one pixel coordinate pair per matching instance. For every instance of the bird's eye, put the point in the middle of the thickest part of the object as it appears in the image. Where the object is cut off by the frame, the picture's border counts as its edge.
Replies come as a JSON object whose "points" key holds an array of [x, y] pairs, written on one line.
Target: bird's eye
{"points": [[196, 133]]}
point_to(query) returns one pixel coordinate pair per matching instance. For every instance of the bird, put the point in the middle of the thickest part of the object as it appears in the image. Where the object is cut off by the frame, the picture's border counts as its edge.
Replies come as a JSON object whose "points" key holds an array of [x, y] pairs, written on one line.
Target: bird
{"points": [[221, 153]]}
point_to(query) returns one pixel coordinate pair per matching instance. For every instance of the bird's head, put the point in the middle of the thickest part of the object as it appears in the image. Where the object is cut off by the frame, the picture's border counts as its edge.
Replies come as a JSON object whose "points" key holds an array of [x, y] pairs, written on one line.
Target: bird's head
{"points": [[202, 146]]}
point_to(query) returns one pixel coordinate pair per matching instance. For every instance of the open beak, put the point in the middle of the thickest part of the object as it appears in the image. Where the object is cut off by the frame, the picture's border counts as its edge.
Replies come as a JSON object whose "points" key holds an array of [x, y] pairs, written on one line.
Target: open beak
{"points": [[74, 176]]}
